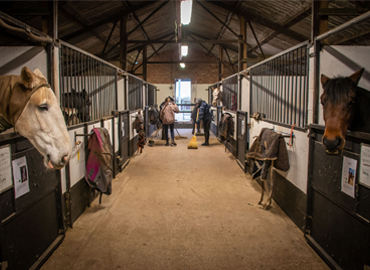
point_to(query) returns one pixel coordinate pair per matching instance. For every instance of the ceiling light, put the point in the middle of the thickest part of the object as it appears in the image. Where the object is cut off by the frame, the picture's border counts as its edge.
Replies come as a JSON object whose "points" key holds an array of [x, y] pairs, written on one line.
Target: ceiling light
{"points": [[182, 65], [184, 50], [186, 6]]}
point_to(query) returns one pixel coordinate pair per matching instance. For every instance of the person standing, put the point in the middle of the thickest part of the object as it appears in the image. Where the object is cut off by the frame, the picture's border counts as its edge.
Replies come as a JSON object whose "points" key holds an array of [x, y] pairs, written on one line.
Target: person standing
{"points": [[194, 118], [205, 115], [168, 117]]}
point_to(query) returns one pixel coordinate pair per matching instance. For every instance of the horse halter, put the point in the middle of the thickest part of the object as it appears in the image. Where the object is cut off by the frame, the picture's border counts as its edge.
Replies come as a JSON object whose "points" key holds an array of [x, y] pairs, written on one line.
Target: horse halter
{"points": [[4, 124]]}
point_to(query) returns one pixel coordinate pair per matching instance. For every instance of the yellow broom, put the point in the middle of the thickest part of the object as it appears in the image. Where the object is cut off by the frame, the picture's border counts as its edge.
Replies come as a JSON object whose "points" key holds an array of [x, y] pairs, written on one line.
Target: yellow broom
{"points": [[193, 142]]}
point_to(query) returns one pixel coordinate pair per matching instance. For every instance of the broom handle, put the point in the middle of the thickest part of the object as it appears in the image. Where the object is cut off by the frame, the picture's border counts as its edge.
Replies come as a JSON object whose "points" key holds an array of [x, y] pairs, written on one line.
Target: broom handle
{"points": [[195, 129]]}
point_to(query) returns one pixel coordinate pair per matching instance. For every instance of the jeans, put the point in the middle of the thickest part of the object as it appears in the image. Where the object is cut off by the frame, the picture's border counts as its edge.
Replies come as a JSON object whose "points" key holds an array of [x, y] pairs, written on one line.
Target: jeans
{"points": [[165, 128]]}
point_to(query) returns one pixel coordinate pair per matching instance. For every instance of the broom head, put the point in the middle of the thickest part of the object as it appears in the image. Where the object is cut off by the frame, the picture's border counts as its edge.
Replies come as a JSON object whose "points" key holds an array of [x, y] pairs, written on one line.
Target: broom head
{"points": [[193, 143]]}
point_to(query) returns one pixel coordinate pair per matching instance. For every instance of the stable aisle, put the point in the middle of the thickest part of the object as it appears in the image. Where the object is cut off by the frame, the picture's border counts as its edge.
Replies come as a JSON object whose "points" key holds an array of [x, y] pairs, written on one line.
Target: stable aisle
{"points": [[174, 208]]}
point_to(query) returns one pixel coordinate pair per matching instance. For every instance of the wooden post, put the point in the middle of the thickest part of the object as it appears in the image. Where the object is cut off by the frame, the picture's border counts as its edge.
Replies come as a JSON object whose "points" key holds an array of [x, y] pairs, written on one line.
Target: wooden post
{"points": [[319, 23], [145, 62], [319, 26], [123, 43], [221, 65], [243, 34]]}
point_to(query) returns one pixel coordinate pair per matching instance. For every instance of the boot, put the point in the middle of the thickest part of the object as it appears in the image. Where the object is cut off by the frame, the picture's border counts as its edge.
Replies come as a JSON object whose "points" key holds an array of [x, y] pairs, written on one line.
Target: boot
{"points": [[205, 144], [174, 143], [167, 144]]}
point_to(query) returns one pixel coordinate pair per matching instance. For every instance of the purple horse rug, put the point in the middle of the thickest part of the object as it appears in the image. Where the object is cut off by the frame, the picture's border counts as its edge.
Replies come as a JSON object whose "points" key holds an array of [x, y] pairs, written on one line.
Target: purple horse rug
{"points": [[99, 168]]}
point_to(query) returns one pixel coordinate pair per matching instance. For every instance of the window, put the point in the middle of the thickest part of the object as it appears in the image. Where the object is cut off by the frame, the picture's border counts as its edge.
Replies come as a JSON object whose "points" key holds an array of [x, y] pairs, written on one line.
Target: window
{"points": [[183, 96]]}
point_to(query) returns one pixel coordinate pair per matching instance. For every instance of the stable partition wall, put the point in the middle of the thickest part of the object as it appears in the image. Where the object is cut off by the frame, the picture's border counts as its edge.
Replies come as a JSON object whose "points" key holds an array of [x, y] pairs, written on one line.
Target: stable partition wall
{"points": [[136, 93], [337, 210], [88, 97], [277, 89], [31, 221]]}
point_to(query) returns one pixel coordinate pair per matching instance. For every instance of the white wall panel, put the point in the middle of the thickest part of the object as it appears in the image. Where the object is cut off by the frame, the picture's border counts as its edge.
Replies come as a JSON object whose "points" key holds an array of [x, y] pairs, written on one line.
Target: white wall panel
{"points": [[344, 61], [121, 94], [298, 153], [13, 59], [116, 134], [77, 160]]}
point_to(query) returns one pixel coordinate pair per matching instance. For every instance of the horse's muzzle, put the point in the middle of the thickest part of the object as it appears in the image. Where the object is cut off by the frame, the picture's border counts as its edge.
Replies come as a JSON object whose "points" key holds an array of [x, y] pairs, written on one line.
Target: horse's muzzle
{"points": [[333, 147]]}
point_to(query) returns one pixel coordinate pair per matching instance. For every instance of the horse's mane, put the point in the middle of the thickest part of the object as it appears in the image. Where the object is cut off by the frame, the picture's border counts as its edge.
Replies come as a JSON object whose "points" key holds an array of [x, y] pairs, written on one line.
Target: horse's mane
{"points": [[338, 89]]}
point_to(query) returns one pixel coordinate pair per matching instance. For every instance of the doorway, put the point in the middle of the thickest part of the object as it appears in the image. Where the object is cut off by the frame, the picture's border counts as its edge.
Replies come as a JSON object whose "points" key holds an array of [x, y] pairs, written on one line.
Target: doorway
{"points": [[183, 97]]}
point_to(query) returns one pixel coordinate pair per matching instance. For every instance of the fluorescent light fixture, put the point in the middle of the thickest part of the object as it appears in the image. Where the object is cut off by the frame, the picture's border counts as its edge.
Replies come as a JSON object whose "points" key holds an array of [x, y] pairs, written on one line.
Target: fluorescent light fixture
{"points": [[186, 6], [182, 65], [184, 50]]}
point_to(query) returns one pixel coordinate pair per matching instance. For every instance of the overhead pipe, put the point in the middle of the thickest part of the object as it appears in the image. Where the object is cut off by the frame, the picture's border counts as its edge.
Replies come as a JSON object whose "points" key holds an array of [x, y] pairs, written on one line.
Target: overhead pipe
{"points": [[27, 32]]}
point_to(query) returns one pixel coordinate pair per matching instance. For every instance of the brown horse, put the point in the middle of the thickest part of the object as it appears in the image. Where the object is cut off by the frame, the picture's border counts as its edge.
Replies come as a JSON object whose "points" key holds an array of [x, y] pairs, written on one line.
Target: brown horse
{"points": [[345, 106]]}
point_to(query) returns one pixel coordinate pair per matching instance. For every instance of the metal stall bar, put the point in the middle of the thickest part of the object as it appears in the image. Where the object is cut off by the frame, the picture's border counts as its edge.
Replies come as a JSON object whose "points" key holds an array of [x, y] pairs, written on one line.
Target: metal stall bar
{"points": [[275, 88]]}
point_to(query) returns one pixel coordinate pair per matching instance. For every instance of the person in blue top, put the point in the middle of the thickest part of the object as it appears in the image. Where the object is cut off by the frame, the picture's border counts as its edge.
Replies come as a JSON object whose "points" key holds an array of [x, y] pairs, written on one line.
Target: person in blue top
{"points": [[206, 116]]}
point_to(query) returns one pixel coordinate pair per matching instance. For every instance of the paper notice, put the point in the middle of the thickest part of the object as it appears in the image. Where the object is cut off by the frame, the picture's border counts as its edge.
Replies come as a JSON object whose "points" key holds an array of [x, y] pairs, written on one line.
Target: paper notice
{"points": [[364, 174], [5, 168], [20, 176], [349, 176]]}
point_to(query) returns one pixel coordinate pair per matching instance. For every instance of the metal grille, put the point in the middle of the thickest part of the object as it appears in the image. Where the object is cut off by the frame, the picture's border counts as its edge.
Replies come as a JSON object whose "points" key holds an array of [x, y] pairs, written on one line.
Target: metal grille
{"points": [[135, 93], [279, 87], [230, 93], [152, 94], [87, 87]]}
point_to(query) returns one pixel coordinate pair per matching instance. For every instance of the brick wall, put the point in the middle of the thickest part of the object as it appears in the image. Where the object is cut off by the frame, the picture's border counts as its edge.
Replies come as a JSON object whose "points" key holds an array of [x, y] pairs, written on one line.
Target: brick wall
{"points": [[198, 73]]}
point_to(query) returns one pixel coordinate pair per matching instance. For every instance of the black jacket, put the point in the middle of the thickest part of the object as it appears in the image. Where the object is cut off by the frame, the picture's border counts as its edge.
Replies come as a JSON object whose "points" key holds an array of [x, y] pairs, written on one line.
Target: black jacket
{"points": [[204, 112]]}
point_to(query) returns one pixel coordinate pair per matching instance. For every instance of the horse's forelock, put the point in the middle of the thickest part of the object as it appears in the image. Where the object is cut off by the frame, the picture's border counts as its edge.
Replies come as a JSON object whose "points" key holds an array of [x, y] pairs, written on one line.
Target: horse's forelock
{"points": [[339, 89], [41, 95]]}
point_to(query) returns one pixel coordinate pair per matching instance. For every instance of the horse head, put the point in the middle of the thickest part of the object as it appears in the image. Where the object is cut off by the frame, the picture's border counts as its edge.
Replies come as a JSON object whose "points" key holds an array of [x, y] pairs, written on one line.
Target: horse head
{"points": [[76, 104], [41, 120], [217, 95], [339, 102]]}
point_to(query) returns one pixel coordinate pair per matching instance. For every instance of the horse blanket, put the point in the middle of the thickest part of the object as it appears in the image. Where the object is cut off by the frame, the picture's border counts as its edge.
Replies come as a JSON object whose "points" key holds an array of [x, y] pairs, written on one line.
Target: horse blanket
{"points": [[139, 126], [99, 168], [270, 145], [226, 127]]}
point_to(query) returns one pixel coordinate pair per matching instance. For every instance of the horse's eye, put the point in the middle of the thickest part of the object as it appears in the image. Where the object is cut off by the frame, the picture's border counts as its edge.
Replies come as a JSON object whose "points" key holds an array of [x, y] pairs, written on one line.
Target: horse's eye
{"points": [[43, 107], [351, 103]]}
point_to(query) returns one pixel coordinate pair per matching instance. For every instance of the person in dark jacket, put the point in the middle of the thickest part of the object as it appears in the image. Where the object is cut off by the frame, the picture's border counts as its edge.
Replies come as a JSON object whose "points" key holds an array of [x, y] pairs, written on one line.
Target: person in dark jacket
{"points": [[194, 118], [206, 116]]}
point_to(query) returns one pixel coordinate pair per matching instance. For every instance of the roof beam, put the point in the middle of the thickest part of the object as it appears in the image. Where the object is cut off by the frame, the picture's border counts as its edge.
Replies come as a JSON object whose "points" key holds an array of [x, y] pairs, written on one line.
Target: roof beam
{"points": [[227, 21], [292, 21], [139, 23], [225, 41], [214, 16], [155, 52], [110, 34], [260, 20], [149, 16], [112, 17], [74, 15]]}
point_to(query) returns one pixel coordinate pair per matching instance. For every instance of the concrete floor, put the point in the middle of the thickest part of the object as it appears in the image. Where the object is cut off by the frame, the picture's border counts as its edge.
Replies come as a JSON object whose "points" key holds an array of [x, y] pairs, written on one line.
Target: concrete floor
{"points": [[174, 208]]}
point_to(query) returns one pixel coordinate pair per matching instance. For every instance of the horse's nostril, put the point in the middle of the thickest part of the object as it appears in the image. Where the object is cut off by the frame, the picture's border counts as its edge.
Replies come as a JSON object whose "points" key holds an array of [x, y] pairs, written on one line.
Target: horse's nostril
{"points": [[64, 159], [339, 141], [332, 144]]}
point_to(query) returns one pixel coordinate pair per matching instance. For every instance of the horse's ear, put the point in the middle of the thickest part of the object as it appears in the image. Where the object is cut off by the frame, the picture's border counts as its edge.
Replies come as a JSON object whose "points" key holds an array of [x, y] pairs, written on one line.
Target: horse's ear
{"points": [[324, 79], [39, 73], [28, 78], [213, 89], [84, 94], [355, 77]]}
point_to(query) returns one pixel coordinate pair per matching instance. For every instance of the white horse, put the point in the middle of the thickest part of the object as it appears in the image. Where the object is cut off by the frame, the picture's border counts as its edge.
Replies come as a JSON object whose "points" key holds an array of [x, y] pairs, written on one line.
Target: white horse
{"points": [[217, 95], [29, 105]]}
